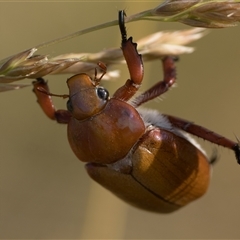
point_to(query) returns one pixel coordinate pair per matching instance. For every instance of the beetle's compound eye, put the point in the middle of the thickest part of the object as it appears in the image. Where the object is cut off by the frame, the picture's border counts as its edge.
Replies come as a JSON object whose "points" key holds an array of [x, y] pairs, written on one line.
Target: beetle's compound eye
{"points": [[69, 106], [102, 93]]}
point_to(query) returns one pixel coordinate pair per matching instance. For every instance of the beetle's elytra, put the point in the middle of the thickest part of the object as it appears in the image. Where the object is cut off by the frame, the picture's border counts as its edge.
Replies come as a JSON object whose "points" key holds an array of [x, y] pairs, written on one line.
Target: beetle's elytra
{"points": [[142, 156]]}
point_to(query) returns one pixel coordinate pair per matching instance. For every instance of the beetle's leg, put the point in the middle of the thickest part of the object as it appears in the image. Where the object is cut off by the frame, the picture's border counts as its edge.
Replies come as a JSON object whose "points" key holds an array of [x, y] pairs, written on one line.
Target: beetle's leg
{"points": [[206, 134], [134, 63], [169, 78], [45, 101]]}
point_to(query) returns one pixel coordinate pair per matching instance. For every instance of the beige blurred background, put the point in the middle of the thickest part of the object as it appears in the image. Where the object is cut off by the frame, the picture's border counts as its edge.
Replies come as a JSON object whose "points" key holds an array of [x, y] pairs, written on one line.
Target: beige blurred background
{"points": [[44, 189]]}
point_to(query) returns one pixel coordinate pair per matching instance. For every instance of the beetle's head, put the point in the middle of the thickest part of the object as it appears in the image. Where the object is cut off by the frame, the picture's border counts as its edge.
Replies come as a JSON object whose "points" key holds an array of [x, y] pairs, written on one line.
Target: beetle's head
{"points": [[86, 97]]}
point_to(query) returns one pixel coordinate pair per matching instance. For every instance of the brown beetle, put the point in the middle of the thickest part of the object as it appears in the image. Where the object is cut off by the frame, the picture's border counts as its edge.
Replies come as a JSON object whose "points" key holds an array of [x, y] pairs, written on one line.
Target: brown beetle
{"points": [[142, 156]]}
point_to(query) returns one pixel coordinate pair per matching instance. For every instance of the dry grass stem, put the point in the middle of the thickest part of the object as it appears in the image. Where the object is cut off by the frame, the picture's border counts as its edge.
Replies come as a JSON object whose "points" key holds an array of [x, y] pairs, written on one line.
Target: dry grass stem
{"points": [[203, 13], [197, 13], [154, 46]]}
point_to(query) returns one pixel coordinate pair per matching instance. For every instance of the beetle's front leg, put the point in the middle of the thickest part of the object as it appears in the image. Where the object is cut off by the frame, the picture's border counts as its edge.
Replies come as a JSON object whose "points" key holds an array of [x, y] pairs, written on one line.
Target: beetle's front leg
{"points": [[134, 63], [45, 101], [205, 134]]}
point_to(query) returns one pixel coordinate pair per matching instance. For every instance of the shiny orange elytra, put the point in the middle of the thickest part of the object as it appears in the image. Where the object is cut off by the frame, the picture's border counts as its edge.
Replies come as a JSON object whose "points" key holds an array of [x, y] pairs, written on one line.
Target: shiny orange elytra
{"points": [[142, 156]]}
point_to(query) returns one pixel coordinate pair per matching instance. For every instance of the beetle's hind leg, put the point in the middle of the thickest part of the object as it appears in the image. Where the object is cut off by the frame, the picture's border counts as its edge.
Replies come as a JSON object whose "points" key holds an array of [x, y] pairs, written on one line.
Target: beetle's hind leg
{"points": [[205, 134]]}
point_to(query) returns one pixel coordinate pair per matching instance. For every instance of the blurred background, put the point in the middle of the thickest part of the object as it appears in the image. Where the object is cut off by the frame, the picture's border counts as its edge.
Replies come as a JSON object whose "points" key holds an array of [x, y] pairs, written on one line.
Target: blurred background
{"points": [[45, 191]]}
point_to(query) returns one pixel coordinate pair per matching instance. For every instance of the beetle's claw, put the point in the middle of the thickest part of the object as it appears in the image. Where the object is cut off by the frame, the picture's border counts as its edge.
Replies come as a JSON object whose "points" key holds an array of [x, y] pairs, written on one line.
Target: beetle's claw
{"points": [[214, 157], [236, 149], [121, 23], [176, 58]]}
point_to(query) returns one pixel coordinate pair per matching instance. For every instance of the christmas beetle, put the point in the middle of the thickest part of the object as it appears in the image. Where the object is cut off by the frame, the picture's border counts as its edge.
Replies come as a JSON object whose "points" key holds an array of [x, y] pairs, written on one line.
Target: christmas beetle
{"points": [[144, 157]]}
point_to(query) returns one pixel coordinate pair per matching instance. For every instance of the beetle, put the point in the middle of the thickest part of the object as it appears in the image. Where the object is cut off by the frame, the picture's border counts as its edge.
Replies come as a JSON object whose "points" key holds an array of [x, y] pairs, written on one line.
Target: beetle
{"points": [[142, 156]]}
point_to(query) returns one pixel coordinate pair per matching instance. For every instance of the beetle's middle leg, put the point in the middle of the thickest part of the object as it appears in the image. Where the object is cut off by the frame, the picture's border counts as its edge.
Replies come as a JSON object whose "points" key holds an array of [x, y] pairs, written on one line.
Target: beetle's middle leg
{"points": [[169, 78]]}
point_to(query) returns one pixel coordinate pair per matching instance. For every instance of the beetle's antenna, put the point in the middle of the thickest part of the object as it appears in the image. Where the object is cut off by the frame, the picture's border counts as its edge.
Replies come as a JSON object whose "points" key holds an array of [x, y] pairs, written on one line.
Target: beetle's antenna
{"points": [[103, 67], [121, 23], [42, 90]]}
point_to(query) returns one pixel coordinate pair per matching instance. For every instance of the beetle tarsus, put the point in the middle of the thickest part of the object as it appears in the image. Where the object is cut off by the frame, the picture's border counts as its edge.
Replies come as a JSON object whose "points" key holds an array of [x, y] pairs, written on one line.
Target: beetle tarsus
{"points": [[214, 157], [236, 149], [41, 80], [121, 15]]}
